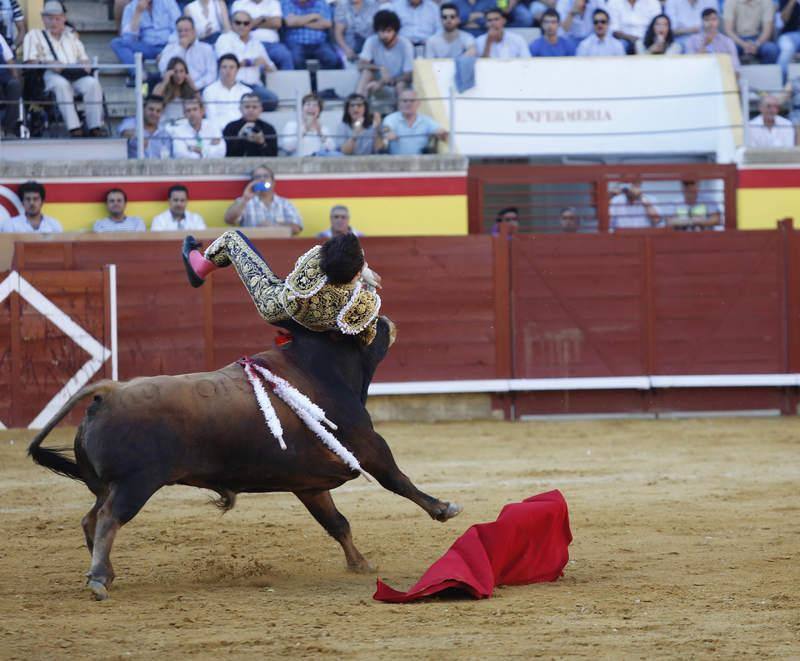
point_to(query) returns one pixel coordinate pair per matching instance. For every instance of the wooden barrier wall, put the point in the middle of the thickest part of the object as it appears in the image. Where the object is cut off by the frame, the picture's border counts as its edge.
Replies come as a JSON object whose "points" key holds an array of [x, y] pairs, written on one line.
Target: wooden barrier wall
{"points": [[479, 307]]}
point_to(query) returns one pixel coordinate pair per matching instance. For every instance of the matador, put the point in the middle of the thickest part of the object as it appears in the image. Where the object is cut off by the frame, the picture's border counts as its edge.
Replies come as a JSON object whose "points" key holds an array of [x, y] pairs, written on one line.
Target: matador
{"points": [[330, 287]]}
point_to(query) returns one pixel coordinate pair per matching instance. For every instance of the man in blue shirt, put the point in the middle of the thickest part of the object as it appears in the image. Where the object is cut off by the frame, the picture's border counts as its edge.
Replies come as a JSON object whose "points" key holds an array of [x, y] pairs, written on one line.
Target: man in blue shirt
{"points": [[157, 142], [307, 23], [146, 27], [550, 44], [472, 14], [408, 132], [419, 19]]}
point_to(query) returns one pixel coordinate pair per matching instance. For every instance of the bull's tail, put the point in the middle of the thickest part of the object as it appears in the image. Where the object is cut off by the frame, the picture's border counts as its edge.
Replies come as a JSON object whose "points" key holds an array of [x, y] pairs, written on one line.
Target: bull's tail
{"points": [[54, 458]]}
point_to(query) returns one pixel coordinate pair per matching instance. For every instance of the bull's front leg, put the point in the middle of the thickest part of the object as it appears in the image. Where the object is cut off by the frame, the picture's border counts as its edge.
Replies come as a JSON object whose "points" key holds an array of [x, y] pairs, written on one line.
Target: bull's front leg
{"points": [[322, 508], [379, 462]]}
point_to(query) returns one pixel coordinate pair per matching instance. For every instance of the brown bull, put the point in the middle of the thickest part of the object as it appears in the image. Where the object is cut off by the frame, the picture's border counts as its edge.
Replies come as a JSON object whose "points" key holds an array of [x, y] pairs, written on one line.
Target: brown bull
{"points": [[206, 430]]}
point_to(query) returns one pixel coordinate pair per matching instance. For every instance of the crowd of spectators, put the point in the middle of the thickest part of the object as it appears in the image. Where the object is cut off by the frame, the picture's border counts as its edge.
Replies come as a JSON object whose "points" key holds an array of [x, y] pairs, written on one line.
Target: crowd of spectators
{"points": [[220, 51]]}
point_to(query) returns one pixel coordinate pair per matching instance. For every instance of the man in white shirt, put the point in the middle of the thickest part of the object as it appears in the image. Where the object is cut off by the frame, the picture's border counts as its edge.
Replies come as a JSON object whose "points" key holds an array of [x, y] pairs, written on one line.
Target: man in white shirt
{"points": [[600, 43], [632, 209], [195, 136], [631, 18], [32, 220], [267, 18], [253, 58], [222, 98], [769, 130], [450, 42], [116, 220], [199, 56], [177, 217], [56, 44], [686, 16], [498, 43]]}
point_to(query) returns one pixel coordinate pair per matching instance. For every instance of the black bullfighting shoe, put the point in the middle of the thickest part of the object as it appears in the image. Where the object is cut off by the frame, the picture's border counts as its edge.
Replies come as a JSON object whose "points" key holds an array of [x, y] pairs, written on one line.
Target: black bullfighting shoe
{"points": [[190, 244]]}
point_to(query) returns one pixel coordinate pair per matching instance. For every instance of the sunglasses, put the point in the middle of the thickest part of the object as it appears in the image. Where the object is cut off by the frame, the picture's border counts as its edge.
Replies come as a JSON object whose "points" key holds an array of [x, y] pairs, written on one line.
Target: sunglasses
{"points": [[601, 21], [449, 17], [241, 22]]}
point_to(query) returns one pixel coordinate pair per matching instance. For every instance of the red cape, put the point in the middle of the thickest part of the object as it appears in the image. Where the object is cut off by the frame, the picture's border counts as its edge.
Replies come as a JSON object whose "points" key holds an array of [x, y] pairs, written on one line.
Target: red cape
{"points": [[526, 544]]}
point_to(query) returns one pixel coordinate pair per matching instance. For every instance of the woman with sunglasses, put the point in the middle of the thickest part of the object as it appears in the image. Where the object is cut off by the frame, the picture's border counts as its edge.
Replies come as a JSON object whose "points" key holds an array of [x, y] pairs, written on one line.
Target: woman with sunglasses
{"points": [[659, 38], [360, 131]]}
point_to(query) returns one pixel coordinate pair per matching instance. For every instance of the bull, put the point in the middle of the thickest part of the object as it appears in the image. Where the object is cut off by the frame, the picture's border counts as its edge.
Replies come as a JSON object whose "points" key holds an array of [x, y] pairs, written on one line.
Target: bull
{"points": [[206, 430]]}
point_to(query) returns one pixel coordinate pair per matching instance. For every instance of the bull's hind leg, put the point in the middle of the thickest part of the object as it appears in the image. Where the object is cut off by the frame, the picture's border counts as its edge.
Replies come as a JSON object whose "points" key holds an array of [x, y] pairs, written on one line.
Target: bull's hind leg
{"points": [[322, 508], [89, 522], [379, 462], [124, 501]]}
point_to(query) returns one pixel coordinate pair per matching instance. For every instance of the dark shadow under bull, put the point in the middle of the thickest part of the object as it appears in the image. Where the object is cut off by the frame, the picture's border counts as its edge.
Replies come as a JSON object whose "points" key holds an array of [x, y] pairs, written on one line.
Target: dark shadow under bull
{"points": [[206, 430]]}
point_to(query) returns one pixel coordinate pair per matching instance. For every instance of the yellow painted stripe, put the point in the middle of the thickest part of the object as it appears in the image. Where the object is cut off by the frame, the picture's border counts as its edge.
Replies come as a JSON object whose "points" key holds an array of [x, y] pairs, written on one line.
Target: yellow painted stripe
{"points": [[760, 208]]}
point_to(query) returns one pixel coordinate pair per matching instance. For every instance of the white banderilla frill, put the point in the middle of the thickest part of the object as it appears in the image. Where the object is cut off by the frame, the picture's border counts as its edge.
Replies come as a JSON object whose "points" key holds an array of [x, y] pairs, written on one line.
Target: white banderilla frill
{"points": [[311, 414]]}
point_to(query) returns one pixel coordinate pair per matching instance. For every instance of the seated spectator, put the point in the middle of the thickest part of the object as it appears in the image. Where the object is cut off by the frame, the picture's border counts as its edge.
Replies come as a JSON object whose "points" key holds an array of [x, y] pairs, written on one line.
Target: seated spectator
{"points": [[306, 28], [569, 220], [789, 40], [508, 216], [499, 42], [550, 44], [10, 93], [630, 19], [313, 137], [176, 87], [711, 40], [116, 220], [632, 209], [263, 207], [56, 44], [32, 219], [249, 135], [658, 40], [352, 25], [407, 131], [210, 18], [697, 211], [450, 42], [157, 143], [195, 136], [769, 130], [177, 216], [576, 18], [520, 13], [387, 59], [222, 97], [686, 17], [600, 43], [791, 96], [253, 58], [472, 14], [360, 132], [750, 23], [147, 26], [267, 20], [419, 19], [340, 223], [198, 56]]}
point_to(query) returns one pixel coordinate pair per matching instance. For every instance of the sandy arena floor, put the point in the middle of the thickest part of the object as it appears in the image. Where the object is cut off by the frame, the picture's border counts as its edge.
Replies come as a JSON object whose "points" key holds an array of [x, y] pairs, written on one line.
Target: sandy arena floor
{"points": [[686, 545]]}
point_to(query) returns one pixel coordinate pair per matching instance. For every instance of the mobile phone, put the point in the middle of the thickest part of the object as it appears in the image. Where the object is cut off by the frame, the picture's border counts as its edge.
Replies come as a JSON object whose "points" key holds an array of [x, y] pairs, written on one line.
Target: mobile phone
{"points": [[262, 186]]}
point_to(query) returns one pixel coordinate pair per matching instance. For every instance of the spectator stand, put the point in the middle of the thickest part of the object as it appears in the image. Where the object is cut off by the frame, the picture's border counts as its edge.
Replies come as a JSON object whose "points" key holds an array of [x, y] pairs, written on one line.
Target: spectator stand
{"points": [[541, 192]]}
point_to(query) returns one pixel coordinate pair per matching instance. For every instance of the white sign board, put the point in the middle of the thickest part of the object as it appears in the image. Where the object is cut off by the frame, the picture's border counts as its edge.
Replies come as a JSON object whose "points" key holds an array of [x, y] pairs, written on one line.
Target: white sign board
{"points": [[569, 106]]}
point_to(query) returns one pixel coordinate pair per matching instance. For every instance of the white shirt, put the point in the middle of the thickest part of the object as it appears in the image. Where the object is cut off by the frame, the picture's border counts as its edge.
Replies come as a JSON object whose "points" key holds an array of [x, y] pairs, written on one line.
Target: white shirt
{"points": [[208, 138], [68, 47], [5, 50], [222, 104], [20, 223], [630, 216], [779, 136], [512, 45], [199, 57], [265, 8], [593, 47], [684, 16], [632, 20], [582, 25], [205, 24], [230, 42], [310, 143], [164, 222]]}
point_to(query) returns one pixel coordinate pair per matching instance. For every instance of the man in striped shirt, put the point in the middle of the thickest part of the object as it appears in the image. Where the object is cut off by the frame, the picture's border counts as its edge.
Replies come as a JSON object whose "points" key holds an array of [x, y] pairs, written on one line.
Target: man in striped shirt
{"points": [[117, 221]]}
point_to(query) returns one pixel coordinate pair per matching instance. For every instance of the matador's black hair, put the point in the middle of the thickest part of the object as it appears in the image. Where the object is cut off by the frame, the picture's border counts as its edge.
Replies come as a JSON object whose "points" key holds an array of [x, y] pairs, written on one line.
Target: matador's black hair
{"points": [[342, 258]]}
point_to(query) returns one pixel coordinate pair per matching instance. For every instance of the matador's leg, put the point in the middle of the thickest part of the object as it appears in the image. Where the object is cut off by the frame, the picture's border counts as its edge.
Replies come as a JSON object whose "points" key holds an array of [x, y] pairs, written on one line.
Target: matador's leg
{"points": [[233, 247]]}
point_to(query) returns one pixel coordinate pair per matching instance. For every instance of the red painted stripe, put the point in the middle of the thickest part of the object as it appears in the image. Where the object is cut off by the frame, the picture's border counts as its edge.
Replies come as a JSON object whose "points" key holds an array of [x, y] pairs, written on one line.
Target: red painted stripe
{"points": [[142, 191], [788, 178]]}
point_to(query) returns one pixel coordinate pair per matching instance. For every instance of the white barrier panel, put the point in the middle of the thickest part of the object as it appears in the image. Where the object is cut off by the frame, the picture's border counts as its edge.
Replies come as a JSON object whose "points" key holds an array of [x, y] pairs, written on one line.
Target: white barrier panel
{"points": [[584, 106]]}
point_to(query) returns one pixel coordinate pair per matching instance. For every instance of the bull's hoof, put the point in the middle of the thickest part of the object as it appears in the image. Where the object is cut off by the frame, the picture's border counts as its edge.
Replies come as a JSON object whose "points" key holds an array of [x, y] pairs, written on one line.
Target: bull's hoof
{"points": [[362, 568], [452, 510], [99, 590]]}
